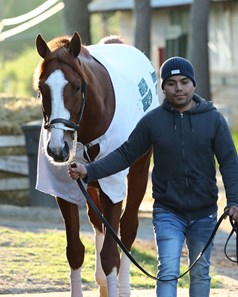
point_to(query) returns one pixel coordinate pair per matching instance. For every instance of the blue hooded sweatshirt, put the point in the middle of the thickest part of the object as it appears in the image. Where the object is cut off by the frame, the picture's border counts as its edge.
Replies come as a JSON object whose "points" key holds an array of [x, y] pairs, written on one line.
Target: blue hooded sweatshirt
{"points": [[185, 149]]}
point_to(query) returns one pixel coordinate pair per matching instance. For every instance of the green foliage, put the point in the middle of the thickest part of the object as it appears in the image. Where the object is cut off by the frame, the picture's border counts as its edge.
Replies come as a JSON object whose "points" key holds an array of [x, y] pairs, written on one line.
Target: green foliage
{"points": [[99, 29], [17, 75]]}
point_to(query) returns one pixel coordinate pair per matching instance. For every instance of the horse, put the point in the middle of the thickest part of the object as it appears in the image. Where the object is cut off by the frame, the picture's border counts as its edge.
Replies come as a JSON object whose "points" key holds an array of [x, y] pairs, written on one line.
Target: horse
{"points": [[92, 98]]}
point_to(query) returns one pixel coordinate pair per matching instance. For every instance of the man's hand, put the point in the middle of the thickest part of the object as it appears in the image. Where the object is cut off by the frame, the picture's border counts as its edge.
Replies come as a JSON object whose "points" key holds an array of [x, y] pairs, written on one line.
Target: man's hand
{"points": [[77, 171], [233, 213]]}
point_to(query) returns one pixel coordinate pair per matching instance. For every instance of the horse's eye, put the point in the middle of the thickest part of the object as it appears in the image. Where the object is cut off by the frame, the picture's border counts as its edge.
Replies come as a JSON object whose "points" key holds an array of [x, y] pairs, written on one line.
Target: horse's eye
{"points": [[76, 89]]}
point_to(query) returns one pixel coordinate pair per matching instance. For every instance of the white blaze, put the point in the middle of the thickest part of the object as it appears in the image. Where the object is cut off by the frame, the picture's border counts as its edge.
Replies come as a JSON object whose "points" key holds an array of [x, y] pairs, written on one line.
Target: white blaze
{"points": [[56, 82]]}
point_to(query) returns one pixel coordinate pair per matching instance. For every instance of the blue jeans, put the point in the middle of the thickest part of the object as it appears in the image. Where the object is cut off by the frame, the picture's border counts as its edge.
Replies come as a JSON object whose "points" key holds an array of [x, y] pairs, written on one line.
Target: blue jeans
{"points": [[170, 232]]}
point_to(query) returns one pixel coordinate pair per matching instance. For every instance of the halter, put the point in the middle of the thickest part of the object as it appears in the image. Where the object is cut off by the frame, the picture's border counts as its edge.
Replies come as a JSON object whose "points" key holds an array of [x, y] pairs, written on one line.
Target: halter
{"points": [[69, 125]]}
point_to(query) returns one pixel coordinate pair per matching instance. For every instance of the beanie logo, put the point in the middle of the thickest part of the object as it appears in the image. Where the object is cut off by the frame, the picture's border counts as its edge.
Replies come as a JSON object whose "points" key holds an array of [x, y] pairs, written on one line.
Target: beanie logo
{"points": [[176, 71]]}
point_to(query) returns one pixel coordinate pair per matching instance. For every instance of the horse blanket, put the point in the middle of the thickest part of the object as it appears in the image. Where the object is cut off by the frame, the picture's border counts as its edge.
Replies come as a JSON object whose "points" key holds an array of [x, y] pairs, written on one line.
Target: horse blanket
{"points": [[136, 92]]}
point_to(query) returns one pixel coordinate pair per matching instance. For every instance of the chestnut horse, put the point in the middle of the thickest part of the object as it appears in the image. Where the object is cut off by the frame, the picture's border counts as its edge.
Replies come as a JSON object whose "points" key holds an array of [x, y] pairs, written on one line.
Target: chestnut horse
{"points": [[89, 109]]}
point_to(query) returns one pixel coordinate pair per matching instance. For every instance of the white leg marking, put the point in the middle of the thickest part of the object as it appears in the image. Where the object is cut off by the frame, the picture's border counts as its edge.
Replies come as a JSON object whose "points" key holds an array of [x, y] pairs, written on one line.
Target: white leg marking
{"points": [[100, 276], [112, 283], [124, 277], [76, 283]]}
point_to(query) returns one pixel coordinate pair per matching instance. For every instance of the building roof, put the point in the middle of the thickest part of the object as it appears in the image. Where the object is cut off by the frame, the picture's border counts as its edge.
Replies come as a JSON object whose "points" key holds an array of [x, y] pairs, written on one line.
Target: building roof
{"points": [[113, 5]]}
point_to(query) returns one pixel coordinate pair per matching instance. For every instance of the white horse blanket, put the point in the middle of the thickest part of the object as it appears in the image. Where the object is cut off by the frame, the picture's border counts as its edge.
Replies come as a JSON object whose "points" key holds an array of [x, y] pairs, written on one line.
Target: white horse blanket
{"points": [[136, 91]]}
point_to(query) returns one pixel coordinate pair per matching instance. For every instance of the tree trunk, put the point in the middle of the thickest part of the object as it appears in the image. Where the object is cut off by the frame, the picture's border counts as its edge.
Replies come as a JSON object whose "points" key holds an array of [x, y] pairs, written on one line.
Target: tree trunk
{"points": [[199, 46], [142, 21], [77, 18]]}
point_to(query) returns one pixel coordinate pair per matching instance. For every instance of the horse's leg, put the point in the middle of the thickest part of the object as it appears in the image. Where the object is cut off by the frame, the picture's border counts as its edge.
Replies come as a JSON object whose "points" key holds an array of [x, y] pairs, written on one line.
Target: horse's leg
{"points": [[75, 249], [137, 183], [110, 257], [100, 276]]}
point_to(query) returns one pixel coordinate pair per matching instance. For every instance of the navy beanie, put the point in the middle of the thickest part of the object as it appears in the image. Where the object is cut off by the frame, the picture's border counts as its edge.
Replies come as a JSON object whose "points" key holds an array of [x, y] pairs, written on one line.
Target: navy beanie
{"points": [[176, 66]]}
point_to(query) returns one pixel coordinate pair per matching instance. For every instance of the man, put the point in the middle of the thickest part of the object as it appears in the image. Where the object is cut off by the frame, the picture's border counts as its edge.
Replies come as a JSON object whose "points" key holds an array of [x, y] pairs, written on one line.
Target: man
{"points": [[187, 134]]}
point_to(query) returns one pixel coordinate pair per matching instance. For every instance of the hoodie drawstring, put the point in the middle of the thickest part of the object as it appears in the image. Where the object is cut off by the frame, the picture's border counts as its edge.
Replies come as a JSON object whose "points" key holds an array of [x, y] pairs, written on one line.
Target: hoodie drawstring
{"points": [[174, 121], [190, 122], [181, 115]]}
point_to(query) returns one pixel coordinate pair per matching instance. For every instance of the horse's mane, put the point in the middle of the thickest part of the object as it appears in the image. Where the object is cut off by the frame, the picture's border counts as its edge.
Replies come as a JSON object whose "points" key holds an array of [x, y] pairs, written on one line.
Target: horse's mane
{"points": [[59, 47], [59, 42]]}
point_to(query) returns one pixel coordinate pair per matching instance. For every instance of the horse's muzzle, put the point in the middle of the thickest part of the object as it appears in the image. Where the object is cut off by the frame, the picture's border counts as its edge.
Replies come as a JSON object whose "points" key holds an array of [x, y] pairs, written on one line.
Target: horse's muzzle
{"points": [[60, 156]]}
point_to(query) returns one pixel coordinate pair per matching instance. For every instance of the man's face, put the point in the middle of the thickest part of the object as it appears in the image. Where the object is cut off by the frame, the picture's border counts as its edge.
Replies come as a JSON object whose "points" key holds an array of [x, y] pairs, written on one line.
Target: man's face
{"points": [[179, 90]]}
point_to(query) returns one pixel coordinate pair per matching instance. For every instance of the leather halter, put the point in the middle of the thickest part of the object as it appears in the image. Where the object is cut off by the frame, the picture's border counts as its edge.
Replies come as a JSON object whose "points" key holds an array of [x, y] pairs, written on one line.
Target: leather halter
{"points": [[69, 125]]}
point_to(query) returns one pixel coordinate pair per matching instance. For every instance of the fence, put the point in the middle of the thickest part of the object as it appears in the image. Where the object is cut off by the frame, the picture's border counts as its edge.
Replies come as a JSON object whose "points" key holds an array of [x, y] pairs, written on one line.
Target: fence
{"points": [[14, 172]]}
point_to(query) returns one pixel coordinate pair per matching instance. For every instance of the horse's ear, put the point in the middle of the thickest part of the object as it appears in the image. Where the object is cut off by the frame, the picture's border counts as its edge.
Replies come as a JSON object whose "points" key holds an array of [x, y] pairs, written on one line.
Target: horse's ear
{"points": [[75, 45], [42, 46]]}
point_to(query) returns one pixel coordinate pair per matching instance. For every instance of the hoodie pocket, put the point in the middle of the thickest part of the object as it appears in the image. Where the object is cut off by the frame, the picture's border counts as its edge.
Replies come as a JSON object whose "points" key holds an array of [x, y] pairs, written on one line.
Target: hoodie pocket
{"points": [[190, 194], [204, 189], [175, 194]]}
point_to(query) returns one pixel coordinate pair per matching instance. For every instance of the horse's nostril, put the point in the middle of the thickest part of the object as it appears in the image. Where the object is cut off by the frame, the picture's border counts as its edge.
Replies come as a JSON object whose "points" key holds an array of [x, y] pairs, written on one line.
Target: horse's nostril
{"points": [[66, 150], [49, 151], [60, 155]]}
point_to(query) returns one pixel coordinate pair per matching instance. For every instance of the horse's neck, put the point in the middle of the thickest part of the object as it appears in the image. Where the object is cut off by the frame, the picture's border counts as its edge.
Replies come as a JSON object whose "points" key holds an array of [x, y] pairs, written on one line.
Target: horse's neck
{"points": [[100, 102]]}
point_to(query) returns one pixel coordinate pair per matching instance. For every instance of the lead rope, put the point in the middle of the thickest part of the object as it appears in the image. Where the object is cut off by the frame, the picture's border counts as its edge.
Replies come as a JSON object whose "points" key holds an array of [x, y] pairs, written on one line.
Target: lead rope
{"points": [[234, 230], [122, 246]]}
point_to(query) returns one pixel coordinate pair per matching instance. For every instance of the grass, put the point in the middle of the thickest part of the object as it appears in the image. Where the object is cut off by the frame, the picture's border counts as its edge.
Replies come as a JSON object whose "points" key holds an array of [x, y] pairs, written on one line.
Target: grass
{"points": [[40, 258], [36, 262]]}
